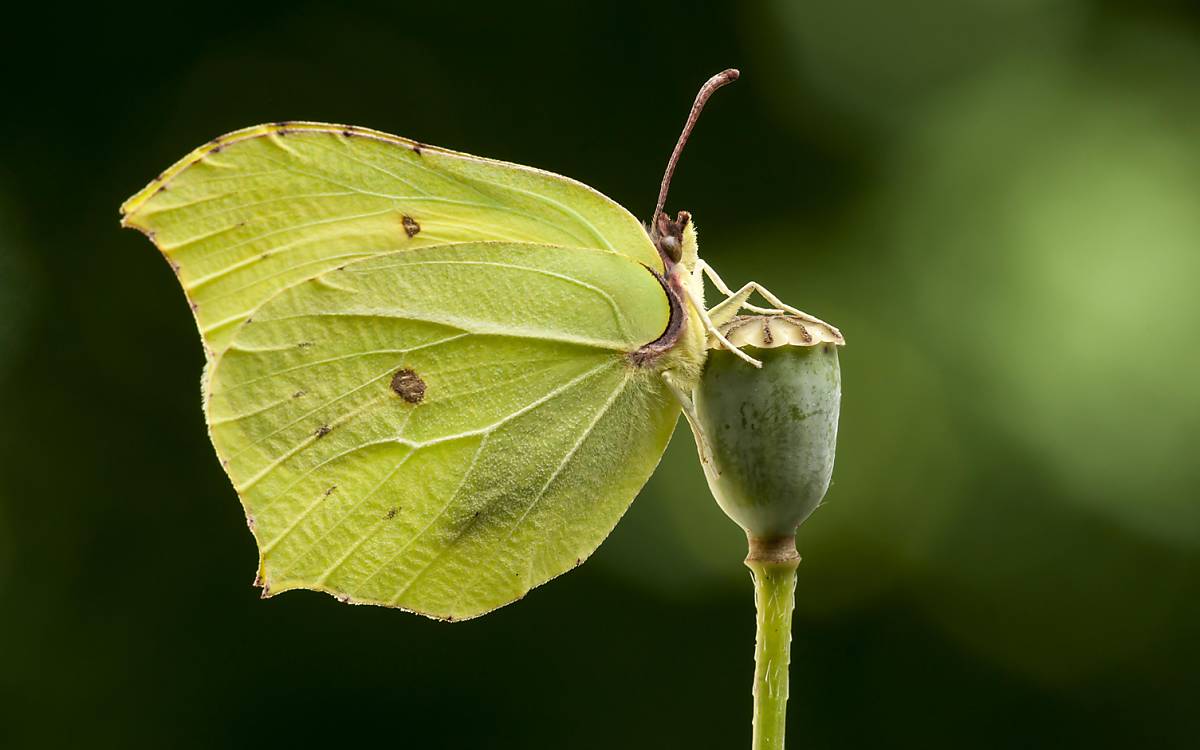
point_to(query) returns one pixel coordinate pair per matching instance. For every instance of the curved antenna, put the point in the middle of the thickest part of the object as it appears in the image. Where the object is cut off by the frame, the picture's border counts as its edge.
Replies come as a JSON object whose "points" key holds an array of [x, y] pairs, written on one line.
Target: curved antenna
{"points": [[710, 86]]}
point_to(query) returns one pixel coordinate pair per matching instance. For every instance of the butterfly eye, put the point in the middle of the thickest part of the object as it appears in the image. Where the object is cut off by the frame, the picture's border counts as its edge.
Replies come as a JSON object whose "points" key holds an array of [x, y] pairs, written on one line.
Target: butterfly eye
{"points": [[670, 246]]}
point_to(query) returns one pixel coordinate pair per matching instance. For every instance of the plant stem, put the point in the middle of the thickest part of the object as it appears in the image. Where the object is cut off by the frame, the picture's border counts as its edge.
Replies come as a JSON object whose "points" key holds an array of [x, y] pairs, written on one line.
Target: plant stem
{"points": [[773, 564]]}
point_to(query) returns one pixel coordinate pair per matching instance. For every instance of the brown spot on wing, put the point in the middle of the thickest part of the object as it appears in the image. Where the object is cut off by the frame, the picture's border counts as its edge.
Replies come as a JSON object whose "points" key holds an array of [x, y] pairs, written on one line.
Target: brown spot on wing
{"points": [[408, 386]]}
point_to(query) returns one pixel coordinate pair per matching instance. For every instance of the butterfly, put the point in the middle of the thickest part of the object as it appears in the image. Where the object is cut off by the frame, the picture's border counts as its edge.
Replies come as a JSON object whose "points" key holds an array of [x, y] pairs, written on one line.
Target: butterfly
{"points": [[435, 381]]}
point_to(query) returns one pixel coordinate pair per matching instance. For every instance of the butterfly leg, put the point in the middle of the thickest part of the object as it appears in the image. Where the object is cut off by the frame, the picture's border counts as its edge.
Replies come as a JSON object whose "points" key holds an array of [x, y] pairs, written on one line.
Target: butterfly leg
{"points": [[715, 332], [766, 294], [744, 293], [770, 297], [723, 288], [689, 411], [723, 312]]}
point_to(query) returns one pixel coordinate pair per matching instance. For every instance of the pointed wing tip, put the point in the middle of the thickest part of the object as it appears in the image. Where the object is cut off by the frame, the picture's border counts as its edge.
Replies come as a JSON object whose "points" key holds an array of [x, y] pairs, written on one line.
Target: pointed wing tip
{"points": [[138, 199], [133, 203], [128, 221]]}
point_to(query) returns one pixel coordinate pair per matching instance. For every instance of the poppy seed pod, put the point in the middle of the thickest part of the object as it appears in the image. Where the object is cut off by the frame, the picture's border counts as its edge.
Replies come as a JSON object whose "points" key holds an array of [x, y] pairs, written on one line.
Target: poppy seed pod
{"points": [[771, 431]]}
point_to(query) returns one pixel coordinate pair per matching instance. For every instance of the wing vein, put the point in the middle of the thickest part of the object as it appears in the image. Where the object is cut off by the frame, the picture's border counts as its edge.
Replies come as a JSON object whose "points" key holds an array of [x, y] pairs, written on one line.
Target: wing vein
{"points": [[618, 315], [570, 454], [274, 543], [420, 573]]}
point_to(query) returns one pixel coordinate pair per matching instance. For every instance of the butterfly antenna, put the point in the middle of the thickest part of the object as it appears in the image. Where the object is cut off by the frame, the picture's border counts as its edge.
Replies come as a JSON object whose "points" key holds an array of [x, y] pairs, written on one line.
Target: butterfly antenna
{"points": [[706, 91]]}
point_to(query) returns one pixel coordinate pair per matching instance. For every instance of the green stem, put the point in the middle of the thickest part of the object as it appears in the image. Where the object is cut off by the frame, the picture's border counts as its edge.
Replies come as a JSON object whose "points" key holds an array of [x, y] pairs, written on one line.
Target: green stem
{"points": [[773, 564]]}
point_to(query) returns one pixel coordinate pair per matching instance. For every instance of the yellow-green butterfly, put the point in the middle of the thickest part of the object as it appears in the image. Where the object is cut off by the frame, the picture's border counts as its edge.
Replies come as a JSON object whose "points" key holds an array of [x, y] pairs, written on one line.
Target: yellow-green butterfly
{"points": [[436, 381]]}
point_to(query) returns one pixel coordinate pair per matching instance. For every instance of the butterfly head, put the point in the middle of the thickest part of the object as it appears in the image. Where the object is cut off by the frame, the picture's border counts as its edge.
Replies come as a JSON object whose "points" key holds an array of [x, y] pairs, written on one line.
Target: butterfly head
{"points": [[676, 241]]}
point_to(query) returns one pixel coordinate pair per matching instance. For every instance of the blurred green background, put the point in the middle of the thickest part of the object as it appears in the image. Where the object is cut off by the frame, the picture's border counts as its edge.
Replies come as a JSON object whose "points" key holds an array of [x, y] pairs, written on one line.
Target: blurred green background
{"points": [[996, 201]]}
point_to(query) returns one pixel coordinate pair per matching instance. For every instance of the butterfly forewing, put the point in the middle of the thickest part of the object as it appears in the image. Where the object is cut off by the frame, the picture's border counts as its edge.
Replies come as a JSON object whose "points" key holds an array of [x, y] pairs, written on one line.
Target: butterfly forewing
{"points": [[443, 429], [258, 210]]}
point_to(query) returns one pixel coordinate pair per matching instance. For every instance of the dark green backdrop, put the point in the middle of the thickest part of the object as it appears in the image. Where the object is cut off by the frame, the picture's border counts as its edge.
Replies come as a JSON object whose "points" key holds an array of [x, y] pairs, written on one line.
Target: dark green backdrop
{"points": [[997, 202]]}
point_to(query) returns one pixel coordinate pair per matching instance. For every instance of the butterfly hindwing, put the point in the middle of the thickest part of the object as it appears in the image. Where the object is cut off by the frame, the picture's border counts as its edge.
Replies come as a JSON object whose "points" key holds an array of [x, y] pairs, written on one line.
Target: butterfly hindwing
{"points": [[444, 428]]}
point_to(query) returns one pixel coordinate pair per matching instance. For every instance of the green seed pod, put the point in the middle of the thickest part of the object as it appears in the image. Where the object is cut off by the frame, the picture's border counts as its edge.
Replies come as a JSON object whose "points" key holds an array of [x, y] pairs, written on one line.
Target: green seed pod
{"points": [[766, 438], [771, 431]]}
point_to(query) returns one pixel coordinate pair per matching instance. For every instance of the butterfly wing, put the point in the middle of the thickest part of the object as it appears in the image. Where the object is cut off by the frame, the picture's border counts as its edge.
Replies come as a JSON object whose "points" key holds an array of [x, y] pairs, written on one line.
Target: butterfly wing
{"points": [[258, 210], [444, 428]]}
